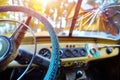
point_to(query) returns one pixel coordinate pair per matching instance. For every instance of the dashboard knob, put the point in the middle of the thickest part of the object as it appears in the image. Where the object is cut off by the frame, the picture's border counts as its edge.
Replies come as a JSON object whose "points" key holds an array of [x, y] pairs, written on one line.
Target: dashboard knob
{"points": [[109, 50], [79, 74]]}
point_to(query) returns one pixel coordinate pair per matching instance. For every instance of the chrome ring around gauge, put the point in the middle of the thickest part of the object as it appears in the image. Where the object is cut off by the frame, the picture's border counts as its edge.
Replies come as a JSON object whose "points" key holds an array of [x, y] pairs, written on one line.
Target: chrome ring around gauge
{"points": [[61, 53]]}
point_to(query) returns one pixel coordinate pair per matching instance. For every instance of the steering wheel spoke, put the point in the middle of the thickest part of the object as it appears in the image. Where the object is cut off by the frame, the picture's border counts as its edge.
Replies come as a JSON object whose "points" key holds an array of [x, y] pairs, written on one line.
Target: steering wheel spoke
{"points": [[9, 46], [18, 35]]}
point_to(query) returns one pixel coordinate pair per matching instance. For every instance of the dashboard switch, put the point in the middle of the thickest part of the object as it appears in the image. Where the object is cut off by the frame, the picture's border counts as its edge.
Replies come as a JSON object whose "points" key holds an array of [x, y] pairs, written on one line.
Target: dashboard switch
{"points": [[92, 49]]}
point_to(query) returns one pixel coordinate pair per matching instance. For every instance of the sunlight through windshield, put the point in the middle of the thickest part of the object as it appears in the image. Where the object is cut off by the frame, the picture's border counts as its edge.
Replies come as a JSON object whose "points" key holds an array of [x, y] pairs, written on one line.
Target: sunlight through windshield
{"points": [[96, 17]]}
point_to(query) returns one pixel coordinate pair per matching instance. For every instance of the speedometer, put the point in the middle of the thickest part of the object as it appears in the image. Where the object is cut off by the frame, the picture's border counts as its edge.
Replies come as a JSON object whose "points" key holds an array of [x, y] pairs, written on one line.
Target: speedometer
{"points": [[45, 53]]}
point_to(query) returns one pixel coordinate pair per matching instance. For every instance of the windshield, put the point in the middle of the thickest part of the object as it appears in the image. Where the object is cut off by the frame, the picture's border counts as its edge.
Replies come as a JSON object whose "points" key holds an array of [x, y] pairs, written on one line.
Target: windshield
{"points": [[96, 18]]}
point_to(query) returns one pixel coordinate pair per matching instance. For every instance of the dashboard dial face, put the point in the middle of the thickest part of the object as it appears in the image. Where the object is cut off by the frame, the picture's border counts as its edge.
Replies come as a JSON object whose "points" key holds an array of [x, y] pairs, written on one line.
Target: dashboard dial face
{"points": [[75, 52], [45, 53], [68, 53], [83, 52]]}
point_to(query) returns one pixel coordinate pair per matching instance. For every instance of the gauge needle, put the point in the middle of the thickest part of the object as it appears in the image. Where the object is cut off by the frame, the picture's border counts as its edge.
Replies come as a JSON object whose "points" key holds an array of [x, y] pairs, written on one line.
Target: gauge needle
{"points": [[45, 53]]}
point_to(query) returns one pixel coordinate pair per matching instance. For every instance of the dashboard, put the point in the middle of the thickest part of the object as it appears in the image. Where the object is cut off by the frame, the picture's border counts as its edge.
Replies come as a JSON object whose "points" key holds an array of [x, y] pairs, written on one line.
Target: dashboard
{"points": [[74, 51]]}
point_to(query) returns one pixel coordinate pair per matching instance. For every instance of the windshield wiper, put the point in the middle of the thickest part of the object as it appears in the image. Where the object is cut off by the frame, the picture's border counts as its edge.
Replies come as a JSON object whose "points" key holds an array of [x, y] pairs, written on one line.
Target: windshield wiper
{"points": [[76, 13]]}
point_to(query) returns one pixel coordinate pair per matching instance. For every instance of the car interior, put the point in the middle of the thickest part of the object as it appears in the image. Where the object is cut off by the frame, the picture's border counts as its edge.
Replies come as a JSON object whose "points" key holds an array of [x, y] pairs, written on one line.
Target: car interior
{"points": [[59, 40]]}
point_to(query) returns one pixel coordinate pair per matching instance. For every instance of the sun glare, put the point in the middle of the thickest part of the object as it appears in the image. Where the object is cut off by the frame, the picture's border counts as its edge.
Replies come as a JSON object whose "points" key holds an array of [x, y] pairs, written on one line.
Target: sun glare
{"points": [[45, 2]]}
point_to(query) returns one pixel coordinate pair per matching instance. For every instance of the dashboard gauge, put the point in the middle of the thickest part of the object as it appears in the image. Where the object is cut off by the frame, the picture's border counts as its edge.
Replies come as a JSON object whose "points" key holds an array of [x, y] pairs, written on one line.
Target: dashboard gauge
{"points": [[75, 52], [83, 52], [45, 53], [68, 53]]}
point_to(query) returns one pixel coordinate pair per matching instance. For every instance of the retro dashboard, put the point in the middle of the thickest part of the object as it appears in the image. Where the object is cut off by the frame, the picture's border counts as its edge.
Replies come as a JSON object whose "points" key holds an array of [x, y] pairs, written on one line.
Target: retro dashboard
{"points": [[74, 51]]}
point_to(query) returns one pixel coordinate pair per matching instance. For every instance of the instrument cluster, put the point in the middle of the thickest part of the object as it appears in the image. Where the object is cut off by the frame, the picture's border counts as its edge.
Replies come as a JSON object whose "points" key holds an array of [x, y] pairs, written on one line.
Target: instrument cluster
{"points": [[79, 53], [72, 52], [65, 52], [90, 50]]}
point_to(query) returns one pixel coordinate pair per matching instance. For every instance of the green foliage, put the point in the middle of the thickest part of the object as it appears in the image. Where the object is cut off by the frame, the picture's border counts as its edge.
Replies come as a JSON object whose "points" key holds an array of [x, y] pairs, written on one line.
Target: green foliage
{"points": [[3, 2], [38, 7], [35, 5], [4, 15]]}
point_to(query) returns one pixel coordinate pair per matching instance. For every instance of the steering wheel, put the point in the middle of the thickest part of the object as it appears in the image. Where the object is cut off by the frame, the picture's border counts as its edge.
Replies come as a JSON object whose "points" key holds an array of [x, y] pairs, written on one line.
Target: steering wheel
{"points": [[9, 46]]}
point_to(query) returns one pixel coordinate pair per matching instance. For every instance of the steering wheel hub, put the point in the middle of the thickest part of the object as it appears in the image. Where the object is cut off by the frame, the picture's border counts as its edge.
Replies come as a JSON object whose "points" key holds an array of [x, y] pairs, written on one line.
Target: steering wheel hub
{"points": [[4, 46]]}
